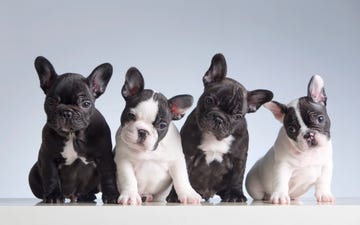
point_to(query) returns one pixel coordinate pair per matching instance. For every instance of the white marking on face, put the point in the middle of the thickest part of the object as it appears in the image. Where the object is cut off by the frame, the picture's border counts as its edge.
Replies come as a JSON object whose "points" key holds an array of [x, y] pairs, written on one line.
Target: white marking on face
{"points": [[69, 152], [213, 148], [145, 113]]}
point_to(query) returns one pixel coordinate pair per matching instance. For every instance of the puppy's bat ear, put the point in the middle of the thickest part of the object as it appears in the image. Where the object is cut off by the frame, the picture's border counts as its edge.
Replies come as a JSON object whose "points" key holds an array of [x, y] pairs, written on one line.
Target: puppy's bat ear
{"points": [[134, 83], [216, 71], [99, 79], [257, 98], [179, 104], [279, 110], [46, 73], [316, 90]]}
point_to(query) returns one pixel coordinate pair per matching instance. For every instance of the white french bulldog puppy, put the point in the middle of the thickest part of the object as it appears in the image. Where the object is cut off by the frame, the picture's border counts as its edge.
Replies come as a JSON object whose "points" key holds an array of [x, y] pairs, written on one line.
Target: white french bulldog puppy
{"points": [[302, 154], [148, 154]]}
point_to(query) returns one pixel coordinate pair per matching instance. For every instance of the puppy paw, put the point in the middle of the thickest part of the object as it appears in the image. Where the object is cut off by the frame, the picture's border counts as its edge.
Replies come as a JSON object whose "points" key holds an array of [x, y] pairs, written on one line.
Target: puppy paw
{"points": [[54, 197], [129, 198], [110, 199], [234, 196], [324, 197], [190, 197], [280, 198]]}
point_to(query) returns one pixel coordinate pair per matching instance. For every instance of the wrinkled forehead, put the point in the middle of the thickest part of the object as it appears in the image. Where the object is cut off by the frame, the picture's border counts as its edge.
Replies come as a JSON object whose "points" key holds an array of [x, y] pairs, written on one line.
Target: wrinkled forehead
{"points": [[70, 86], [230, 94], [305, 106]]}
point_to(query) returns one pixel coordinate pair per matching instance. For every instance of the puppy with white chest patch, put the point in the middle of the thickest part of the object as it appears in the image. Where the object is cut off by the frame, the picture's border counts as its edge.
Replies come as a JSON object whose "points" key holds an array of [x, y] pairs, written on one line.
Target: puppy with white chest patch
{"points": [[302, 154], [75, 157], [215, 136], [148, 153]]}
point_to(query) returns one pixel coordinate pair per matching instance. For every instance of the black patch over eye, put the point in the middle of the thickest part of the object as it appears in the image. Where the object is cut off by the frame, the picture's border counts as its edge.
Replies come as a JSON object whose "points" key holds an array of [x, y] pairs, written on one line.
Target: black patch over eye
{"points": [[291, 130], [131, 116], [162, 125]]}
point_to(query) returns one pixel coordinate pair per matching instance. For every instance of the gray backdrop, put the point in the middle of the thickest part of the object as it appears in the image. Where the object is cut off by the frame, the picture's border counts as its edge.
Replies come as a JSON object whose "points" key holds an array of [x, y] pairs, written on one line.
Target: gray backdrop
{"points": [[277, 45]]}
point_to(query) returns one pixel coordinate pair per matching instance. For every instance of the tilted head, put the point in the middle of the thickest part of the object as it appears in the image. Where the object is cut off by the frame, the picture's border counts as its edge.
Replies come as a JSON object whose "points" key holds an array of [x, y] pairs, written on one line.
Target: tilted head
{"points": [[305, 120], [148, 114], [224, 103], [70, 97]]}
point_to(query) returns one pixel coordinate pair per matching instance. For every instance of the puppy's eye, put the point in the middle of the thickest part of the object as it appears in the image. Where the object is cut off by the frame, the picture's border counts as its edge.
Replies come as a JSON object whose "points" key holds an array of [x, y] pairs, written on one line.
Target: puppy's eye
{"points": [[86, 104], [51, 101], [321, 119], [162, 125], [131, 116], [209, 100], [238, 116], [292, 130]]}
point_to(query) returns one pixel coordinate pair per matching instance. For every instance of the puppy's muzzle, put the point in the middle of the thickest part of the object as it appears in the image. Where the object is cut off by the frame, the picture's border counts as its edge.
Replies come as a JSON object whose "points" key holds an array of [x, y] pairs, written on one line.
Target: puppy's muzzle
{"points": [[142, 134], [310, 138]]}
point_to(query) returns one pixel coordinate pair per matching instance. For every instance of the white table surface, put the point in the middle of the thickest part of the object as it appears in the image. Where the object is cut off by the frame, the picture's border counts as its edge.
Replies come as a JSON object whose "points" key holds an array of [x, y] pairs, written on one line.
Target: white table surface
{"points": [[345, 211]]}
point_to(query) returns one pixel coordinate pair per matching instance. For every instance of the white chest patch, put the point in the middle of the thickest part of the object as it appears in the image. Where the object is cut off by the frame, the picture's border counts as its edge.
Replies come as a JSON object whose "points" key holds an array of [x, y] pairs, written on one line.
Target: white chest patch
{"points": [[213, 148], [69, 152]]}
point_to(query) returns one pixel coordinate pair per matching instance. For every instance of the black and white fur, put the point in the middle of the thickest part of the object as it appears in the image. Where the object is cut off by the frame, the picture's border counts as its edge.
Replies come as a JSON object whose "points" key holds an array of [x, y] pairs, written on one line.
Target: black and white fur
{"points": [[75, 157], [148, 153], [302, 154], [215, 136]]}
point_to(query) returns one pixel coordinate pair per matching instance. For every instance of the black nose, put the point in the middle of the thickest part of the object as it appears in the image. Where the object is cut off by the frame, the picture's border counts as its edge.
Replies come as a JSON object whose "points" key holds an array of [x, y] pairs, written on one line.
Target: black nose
{"points": [[142, 134], [218, 120], [310, 138], [67, 114]]}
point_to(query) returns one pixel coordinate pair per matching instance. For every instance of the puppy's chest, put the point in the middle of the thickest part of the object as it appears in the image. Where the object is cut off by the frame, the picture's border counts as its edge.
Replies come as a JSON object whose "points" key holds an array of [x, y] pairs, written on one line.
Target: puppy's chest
{"points": [[152, 176], [215, 149], [69, 153]]}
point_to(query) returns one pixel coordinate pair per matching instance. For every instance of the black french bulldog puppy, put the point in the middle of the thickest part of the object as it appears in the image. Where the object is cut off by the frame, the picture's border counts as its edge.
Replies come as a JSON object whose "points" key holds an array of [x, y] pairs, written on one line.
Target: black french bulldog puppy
{"points": [[215, 136], [75, 156]]}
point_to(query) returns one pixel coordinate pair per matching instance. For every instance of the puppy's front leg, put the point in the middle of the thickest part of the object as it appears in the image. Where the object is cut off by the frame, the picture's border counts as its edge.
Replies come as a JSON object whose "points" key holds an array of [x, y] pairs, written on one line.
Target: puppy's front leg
{"points": [[50, 181], [322, 185], [183, 188], [127, 183], [280, 184]]}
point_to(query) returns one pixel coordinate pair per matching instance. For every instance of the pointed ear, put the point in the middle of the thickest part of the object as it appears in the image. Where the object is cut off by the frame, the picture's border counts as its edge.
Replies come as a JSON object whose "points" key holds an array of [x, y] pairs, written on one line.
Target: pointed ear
{"points": [[216, 71], [316, 90], [179, 104], [279, 110], [134, 83], [46, 73], [257, 98], [99, 78]]}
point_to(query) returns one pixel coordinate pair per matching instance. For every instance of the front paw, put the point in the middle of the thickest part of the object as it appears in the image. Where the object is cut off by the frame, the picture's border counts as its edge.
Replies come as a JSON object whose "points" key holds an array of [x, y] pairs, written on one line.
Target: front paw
{"points": [[189, 197], [280, 198], [130, 198], [54, 197], [324, 197], [110, 198], [234, 196]]}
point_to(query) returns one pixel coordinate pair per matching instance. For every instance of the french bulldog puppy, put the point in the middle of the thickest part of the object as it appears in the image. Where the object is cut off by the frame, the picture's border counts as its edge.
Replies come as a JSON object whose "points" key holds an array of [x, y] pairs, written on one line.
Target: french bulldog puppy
{"points": [[148, 153], [75, 156], [302, 154], [215, 136]]}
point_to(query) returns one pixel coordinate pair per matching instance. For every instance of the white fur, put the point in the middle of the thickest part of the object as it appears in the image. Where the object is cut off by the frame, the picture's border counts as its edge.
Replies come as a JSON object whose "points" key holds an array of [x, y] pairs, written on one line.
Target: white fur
{"points": [[147, 173], [213, 148], [287, 172], [69, 153]]}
